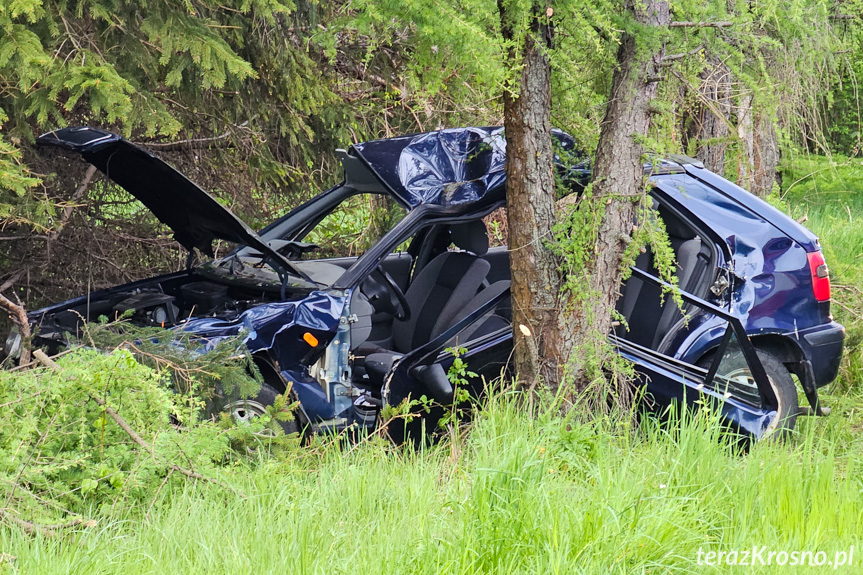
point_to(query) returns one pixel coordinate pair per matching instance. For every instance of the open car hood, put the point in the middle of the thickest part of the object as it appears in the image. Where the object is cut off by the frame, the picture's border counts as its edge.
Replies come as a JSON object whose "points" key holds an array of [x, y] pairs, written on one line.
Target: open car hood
{"points": [[195, 217]]}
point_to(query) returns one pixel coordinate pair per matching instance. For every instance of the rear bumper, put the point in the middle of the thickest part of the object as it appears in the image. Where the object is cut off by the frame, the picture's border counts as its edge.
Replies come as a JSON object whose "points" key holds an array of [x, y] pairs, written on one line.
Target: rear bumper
{"points": [[822, 346]]}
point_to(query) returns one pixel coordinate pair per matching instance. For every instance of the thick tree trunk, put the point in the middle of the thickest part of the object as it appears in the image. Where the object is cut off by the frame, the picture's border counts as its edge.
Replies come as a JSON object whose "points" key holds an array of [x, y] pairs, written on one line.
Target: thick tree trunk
{"points": [[546, 326], [618, 172], [535, 288]]}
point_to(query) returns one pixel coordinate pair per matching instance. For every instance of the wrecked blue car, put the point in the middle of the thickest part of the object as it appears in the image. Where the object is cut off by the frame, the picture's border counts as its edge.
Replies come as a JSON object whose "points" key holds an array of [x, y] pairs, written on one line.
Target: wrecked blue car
{"points": [[353, 325]]}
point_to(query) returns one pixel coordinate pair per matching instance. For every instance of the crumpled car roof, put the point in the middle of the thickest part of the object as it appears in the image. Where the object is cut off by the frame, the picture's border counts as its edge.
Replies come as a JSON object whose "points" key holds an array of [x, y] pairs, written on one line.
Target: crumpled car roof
{"points": [[446, 167]]}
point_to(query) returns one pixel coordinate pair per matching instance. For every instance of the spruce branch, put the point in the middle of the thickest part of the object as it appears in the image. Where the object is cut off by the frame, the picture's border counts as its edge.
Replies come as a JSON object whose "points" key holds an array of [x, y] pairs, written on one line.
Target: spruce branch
{"points": [[43, 358]]}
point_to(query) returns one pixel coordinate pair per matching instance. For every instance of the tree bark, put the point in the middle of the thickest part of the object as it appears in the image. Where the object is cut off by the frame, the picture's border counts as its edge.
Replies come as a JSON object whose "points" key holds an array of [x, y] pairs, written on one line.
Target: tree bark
{"points": [[618, 172], [707, 131], [766, 155], [746, 140], [546, 326], [19, 317], [536, 282]]}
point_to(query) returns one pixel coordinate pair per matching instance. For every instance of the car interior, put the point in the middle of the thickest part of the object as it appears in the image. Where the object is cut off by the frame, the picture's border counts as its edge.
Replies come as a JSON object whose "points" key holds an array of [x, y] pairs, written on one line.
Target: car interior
{"points": [[449, 270], [447, 275], [651, 317]]}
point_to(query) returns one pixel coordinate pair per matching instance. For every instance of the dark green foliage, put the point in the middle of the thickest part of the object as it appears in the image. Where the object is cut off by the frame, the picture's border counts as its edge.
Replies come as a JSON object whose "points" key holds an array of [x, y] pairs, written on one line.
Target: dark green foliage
{"points": [[249, 99], [160, 68], [195, 366], [66, 455], [222, 89]]}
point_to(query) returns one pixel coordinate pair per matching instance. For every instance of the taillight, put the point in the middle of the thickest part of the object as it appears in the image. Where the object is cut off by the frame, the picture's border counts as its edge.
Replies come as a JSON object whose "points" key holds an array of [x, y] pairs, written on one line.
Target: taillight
{"points": [[820, 276]]}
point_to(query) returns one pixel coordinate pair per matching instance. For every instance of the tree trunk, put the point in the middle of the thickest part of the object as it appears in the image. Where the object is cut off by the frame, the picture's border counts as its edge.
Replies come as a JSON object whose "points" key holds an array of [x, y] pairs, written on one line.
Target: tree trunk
{"points": [[766, 155], [618, 172], [746, 141], [758, 157], [707, 132], [547, 326], [530, 203]]}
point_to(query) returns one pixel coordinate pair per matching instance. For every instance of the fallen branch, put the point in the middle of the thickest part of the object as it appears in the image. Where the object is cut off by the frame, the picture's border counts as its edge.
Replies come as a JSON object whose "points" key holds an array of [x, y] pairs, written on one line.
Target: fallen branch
{"points": [[724, 24], [33, 362], [19, 318], [47, 530], [118, 419]]}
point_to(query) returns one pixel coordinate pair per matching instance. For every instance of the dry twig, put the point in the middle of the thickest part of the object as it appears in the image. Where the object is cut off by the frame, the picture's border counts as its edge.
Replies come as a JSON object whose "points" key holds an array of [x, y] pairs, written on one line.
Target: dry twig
{"points": [[19, 318], [70, 207], [47, 530]]}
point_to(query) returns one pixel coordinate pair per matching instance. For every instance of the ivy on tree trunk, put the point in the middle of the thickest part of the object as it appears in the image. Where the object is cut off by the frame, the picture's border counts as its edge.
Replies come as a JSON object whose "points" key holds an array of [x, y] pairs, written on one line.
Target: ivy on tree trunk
{"points": [[618, 172]]}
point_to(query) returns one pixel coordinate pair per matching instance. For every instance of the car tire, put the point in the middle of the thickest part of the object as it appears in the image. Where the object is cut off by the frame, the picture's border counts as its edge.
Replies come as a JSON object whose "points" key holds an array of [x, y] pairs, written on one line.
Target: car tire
{"points": [[780, 380], [244, 410]]}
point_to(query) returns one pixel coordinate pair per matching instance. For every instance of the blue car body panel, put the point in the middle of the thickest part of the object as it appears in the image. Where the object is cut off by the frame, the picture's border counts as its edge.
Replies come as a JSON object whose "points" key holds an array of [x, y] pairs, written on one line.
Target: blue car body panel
{"points": [[756, 205], [445, 168], [772, 294], [664, 387]]}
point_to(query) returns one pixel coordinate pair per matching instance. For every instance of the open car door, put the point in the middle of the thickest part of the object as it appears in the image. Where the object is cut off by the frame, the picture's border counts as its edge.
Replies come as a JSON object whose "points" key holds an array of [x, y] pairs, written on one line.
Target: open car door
{"points": [[744, 395]]}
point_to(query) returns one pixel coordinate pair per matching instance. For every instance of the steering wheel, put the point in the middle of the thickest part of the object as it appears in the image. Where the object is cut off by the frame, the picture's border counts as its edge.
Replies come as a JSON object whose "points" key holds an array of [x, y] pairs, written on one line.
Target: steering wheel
{"points": [[403, 313]]}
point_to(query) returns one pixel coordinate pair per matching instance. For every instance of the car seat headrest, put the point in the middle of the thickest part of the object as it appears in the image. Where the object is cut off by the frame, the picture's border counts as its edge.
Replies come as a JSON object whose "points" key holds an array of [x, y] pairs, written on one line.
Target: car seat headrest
{"points": [[470, 236]]}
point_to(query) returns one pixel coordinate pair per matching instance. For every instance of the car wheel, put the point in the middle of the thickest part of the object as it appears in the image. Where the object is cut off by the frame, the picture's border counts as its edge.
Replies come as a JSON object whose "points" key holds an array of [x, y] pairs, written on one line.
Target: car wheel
{"points": [[244, 410], [736, 370]]}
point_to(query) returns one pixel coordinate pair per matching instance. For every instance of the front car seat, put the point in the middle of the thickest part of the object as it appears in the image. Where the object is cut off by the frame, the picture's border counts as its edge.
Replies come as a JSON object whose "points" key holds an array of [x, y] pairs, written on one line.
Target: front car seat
{"points": [[437, 295]]}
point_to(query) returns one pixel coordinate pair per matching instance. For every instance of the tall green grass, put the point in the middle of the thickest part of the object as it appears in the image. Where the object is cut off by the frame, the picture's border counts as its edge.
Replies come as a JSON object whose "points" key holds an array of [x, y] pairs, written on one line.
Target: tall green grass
{"points": [[826, 195], [521, 494]]}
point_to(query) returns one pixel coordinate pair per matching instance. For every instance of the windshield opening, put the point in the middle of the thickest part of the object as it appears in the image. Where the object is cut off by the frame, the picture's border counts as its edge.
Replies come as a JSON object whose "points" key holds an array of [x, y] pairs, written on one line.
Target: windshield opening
{"points": [[320, 240], [352, 226]]}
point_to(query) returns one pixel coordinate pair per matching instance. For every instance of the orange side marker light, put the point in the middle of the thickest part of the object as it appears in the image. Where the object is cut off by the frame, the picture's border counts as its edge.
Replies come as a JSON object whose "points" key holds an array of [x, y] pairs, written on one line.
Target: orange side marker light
{"points": [[310, 339]]}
